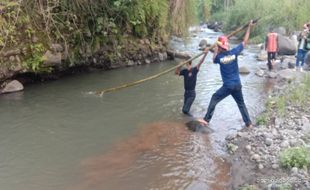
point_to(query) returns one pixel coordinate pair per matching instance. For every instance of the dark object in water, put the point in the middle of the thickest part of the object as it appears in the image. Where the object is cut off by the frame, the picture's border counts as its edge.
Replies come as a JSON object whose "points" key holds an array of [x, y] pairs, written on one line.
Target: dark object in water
{"points": [[196, 126]]}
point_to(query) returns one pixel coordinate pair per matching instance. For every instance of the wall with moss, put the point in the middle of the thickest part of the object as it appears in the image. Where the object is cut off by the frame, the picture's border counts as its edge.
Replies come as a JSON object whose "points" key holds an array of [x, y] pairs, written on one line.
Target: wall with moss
{"points": [[44, 35]]}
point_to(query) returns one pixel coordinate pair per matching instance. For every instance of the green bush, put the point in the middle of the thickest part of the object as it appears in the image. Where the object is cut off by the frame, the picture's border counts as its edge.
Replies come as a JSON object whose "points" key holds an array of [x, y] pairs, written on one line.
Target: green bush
{"points": [[262, 119], [295, 157], [285, 186]]}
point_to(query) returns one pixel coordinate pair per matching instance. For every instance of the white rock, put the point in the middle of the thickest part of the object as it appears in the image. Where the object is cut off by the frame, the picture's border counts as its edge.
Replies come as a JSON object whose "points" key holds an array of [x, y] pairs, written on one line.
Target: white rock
{"points": [[260, 166], [272, 75], [260, 73], [268, 141], [275, 166], [13, 86], [285, 144], [305, 124], [248, 147], [294, 170], [130, 63], [256, 157]]}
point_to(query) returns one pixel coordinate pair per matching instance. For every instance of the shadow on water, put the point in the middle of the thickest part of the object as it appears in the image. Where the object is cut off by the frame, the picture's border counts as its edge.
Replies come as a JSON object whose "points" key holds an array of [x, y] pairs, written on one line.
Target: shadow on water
{"points": [[163, 155]]}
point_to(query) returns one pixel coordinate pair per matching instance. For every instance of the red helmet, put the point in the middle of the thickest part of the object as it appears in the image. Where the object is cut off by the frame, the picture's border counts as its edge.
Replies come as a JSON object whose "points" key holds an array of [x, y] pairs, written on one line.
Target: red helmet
{"points": [[222, 41]]}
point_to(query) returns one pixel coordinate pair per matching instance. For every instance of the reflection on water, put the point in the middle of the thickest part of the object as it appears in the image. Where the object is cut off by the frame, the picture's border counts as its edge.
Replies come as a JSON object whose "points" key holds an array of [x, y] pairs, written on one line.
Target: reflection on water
{"points": [[162, 156]]}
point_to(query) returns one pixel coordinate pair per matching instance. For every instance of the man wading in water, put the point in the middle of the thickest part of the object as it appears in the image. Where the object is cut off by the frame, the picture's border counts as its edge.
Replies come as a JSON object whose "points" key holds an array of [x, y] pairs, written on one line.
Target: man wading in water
{"points": [[190, 77], [228, 61]]}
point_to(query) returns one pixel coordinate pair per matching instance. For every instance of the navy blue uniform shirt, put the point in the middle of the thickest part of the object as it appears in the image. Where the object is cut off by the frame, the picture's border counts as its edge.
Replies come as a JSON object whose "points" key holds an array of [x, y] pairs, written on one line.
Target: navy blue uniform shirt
{"points": [[190, 78]]}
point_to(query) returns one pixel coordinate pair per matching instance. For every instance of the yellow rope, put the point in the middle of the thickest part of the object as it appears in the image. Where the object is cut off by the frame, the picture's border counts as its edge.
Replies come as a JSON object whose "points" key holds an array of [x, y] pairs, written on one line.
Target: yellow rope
{"points": [[101, 92]]}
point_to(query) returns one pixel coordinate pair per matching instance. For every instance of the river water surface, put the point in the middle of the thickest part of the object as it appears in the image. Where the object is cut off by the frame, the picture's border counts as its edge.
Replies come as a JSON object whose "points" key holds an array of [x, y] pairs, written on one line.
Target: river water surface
{"points": [[56, 136]]}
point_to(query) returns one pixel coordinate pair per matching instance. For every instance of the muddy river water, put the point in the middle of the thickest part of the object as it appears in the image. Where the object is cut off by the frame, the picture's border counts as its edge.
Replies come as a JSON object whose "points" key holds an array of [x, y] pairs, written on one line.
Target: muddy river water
{"points": [[55, 136]]}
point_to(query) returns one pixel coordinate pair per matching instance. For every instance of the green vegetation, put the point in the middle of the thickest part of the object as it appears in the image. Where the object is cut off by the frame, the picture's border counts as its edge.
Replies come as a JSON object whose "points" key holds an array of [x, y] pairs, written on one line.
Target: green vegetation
{"points": [[35, 58], [295, 157], [262, 119], [291, 14], [298, 96], [285, 186], [84, 27], [248, 187]]}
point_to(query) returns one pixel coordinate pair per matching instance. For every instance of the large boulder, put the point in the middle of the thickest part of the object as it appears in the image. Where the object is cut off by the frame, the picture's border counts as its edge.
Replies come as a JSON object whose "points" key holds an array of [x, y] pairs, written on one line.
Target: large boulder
{"points": [[216, 26], [13, 86], [280, 30], [203, 44], [287, 46], [180, 55]]}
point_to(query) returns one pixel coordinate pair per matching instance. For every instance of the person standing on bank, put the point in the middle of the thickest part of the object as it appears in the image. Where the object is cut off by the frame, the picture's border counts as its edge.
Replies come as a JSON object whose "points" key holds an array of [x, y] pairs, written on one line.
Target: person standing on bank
{"points": [[271, 45], [228, 61], [190, 77], [303, 47]]}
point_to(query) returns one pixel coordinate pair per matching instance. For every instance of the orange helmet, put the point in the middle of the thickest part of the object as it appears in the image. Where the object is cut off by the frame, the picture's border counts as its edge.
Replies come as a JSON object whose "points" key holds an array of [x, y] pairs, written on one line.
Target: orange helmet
{"points": [[222, 41]]}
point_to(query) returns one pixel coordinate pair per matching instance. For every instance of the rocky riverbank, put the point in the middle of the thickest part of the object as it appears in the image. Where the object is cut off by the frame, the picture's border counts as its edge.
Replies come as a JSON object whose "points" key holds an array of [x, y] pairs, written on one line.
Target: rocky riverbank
{"points": [[275, 154]]}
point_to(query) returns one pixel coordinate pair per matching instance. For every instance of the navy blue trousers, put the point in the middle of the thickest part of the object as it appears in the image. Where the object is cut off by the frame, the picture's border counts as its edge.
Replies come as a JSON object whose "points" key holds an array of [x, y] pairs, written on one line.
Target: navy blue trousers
{"points": [[223, 92], [189, 97]]}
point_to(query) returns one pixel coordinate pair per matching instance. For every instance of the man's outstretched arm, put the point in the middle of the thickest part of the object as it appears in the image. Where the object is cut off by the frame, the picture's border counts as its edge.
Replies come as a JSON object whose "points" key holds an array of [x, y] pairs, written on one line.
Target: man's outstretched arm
{"points": [[203, 58], [247, 33]]}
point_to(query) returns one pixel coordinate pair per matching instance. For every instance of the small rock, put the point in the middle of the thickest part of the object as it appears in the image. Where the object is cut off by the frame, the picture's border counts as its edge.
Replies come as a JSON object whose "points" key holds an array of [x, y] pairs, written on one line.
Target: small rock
{"points": [[260, 166], [241, 134], [274, 132], [285, 144], [232, 148], [272, 75], [130, 63], [305, 124], [147, 61], [230, 137], [268, 141], [278, 121], [244, 70], [287, 74], [275, 166], [162, 56], [12, 58], [256, 157], [260, 73], [17, 59], [291, 65], [248, 147], [262, 56], [294, 170]]}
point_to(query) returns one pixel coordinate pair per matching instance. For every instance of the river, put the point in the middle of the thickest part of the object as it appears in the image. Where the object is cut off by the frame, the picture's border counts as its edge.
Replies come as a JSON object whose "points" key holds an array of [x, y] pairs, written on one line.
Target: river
{"points": [[55, 135]]}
